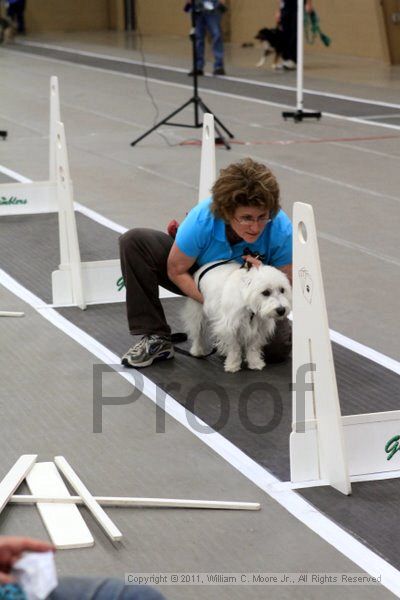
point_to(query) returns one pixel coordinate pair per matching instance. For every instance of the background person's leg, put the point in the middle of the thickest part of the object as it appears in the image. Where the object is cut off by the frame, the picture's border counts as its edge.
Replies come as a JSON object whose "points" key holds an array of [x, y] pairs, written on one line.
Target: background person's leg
{"points": [[20, 8], [289, 31], [144, 254], [11, 13], [87, 588], [214, 26], [200, 23]]}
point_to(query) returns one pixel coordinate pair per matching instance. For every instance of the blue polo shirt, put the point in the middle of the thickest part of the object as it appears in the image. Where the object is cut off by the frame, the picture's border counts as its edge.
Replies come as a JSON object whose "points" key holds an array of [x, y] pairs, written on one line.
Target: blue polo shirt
{"points": [[202, 236]]}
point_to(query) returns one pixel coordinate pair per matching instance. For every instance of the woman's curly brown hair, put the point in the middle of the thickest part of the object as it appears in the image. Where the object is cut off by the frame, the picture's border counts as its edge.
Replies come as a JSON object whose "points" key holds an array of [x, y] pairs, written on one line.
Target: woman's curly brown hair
{"points": [[245, 183]]}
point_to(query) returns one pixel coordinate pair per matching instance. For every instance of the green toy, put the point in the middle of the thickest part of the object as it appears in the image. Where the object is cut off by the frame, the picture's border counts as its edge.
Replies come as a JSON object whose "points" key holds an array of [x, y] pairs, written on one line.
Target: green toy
{"points": [[312, 29]]}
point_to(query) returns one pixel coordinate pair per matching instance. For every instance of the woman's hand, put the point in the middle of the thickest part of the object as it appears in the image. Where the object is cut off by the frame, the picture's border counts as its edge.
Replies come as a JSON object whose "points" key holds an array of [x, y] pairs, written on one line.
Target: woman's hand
{"points": [[255, 262], [12, 548]]}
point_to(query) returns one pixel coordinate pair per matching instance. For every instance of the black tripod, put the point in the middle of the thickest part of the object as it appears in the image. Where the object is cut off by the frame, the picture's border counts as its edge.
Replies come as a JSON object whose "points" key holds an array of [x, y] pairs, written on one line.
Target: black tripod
{"points": [[195, 99]]}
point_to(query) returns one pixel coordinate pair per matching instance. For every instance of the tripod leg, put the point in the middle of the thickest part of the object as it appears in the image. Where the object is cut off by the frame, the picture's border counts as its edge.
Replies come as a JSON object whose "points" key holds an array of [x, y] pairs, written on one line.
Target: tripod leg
{"points": [[206, 109], [178, 110], [221, 138]]}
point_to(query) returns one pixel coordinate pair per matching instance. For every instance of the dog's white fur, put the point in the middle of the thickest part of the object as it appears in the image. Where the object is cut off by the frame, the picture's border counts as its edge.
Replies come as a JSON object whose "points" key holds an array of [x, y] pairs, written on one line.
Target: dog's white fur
{"points": [[266, 51], [231, 296]]}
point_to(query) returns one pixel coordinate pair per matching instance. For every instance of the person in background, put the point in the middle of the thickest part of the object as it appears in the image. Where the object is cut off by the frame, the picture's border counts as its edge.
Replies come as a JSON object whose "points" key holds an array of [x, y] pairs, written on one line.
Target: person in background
{"points": [[287, 21], [243, 215], [69, 588], [15, 11], [208, 18]]}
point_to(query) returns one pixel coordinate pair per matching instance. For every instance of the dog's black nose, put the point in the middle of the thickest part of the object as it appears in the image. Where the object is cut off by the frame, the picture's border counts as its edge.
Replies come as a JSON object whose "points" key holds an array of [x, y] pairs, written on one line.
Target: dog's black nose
{"points": [[281, 311]]}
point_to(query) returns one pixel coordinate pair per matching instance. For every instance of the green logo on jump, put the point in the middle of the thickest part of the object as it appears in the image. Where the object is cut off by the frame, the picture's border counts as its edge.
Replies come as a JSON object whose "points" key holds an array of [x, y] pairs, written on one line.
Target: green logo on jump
{"points": [[392, 446], [12, 200], [120, 283]]}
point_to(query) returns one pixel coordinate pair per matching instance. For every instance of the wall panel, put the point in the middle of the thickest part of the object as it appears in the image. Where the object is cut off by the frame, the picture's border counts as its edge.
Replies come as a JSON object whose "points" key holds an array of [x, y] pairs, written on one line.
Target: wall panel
{"points": [[71, 15]]}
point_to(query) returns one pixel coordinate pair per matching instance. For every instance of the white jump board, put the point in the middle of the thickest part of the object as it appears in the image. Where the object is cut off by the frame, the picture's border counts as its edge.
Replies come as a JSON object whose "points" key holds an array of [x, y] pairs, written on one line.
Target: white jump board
{"points": [[100, 284], [15, 477], [28, 198], [98, 513], [64, 522]]}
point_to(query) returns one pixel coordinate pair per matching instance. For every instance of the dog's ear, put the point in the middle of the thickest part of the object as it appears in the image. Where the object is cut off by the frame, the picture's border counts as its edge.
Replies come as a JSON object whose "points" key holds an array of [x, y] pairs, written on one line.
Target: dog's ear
{"points": [[247, 277]]}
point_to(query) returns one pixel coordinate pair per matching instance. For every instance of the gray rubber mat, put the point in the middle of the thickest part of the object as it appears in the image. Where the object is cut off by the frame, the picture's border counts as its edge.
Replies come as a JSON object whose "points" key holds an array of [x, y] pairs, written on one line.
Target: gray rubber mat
{"points": [[251, 409], [6, 179], [39, 251], [348, 108]]}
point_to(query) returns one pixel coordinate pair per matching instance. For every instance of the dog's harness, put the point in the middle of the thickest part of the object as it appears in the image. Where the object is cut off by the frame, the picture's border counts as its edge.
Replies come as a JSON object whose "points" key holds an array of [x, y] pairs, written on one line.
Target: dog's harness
{"points": [[246, 265], [177, 338]]}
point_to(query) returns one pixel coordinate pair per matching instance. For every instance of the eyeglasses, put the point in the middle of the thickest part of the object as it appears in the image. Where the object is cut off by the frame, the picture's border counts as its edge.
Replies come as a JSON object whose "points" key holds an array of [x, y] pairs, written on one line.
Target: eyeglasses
{"points": [[248, 219]]}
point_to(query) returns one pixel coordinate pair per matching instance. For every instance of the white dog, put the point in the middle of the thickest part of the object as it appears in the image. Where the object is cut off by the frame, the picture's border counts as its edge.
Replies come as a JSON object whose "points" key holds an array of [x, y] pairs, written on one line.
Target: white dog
{"points": [[241, 307]]}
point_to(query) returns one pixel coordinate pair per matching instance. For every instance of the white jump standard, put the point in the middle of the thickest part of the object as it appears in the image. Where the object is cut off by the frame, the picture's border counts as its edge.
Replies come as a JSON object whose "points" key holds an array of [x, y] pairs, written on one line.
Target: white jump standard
{"points": [[80, 283], [38, 196], [327, 448], [76, 282]]}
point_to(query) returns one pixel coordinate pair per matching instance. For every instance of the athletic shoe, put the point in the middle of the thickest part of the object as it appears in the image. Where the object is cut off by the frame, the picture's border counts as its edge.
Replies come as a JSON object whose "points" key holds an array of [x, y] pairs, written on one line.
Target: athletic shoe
{"points": [[147, 350], [219, 71], [196, 72], [289, 65]]}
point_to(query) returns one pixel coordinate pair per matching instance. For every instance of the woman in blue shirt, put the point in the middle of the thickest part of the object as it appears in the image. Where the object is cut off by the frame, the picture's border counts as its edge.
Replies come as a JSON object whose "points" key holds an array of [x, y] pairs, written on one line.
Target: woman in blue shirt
{"points": [[243, 213]]}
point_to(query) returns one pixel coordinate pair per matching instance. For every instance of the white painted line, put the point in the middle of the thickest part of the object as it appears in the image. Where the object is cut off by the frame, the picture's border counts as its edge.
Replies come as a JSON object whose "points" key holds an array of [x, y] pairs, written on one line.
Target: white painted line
{"points": [[253, 82], [362, 121], [346, 244], [389, 116], [167, 177], [324, 178], [288, 485], [95, 216], [279, 105], [108, 57], [366, 352], [14, 175], [288, 499]]}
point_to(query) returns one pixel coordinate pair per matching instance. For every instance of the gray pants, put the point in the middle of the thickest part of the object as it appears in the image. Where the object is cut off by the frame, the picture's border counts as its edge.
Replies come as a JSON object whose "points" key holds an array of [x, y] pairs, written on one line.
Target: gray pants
{"points": [[99, 588], [144, 254]]}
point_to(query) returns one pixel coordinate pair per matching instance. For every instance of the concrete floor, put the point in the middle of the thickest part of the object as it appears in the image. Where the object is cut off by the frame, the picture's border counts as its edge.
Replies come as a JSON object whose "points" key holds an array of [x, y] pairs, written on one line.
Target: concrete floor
{"points": [[352, 184]]}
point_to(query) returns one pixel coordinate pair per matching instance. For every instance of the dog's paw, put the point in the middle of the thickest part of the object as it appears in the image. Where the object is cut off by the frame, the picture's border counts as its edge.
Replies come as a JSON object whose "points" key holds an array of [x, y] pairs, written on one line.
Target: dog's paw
{"points": [[197, 350], [232, 366], [261, 62], [256, 364]]}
